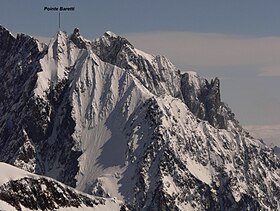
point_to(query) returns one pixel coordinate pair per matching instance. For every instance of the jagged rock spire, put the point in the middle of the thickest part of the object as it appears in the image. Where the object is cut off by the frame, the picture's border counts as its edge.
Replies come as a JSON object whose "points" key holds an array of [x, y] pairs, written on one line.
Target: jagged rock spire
{"points": [[77, 39]]}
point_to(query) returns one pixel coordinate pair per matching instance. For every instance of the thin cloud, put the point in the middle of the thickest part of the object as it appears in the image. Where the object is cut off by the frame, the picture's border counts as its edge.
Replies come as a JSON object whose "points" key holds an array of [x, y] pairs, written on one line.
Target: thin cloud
{"points": [[270, 71], [191, 49], [43, 39], [269, 133]]}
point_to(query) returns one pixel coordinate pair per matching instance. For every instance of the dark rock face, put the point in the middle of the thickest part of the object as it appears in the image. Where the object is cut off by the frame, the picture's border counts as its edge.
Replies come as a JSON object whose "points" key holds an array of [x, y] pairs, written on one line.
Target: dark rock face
{"points": [[18, 77], [43, 194], [58, 145], [205, 101], [109, 47], [6, 43], [77, 40]]}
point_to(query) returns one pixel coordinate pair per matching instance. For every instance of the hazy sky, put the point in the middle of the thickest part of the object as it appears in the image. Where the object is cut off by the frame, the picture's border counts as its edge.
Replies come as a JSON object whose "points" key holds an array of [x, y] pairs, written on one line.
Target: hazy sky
{"points": [[235, 40]]}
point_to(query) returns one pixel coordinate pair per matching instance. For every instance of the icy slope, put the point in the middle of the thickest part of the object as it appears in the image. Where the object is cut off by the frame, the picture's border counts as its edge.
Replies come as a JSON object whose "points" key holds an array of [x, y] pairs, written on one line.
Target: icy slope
{"points": [[20, 190]]}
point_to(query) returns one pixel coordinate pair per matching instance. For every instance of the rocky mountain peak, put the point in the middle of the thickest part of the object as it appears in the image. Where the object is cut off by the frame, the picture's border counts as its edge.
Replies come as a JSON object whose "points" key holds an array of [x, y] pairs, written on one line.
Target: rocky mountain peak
{"points": [[204, 100], [110, 34], [76, 32], [78, 40]]}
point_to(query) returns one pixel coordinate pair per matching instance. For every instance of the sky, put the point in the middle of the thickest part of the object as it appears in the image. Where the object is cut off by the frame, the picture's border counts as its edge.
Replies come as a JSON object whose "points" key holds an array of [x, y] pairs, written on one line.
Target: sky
{"points": [[235, 40]]}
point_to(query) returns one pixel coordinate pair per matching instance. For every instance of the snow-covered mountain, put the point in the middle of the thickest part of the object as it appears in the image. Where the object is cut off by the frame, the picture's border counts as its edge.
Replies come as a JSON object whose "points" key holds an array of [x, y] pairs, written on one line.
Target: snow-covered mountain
{"points": [[20, 190], [113, 121]]}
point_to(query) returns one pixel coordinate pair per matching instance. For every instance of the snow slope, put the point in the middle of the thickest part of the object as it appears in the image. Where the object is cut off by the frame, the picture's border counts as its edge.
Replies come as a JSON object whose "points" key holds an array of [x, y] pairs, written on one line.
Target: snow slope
{"points": [[9, 172]]}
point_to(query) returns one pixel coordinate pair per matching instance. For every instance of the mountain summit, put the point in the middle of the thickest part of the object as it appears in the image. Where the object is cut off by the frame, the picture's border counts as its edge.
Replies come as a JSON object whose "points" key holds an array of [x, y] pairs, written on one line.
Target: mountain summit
{"points": [[113, 121]]}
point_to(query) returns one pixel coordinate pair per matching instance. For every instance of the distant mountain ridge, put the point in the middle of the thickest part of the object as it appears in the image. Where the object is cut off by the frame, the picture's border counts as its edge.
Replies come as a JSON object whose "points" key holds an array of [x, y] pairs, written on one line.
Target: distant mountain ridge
{"points": [[113, 121]]}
